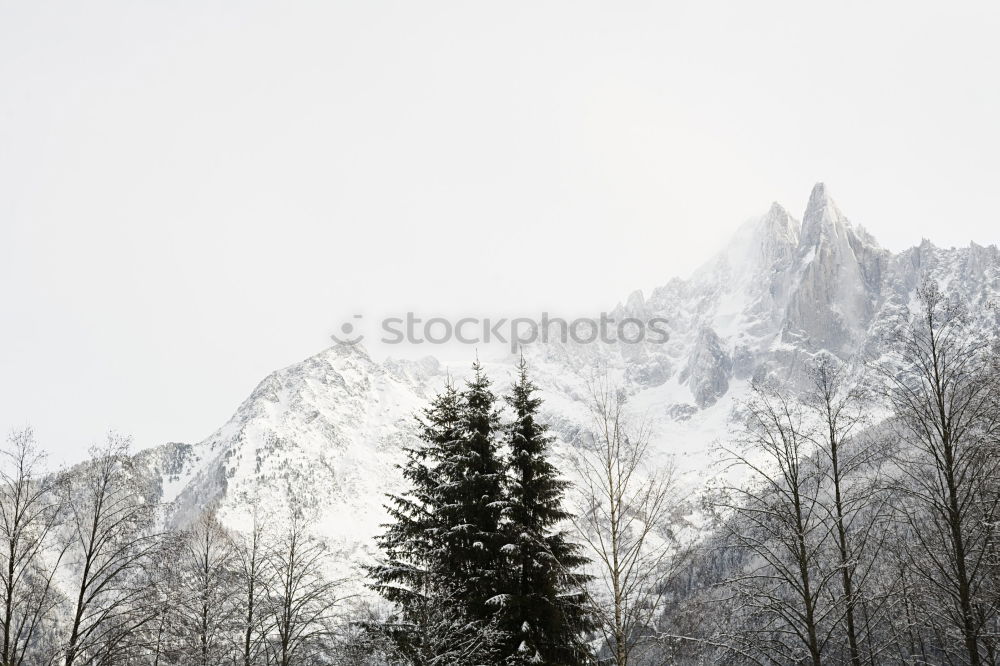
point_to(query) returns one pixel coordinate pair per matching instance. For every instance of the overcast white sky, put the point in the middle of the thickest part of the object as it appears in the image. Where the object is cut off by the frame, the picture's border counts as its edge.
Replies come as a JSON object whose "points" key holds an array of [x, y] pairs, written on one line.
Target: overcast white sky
{"points": [[193, 194]]}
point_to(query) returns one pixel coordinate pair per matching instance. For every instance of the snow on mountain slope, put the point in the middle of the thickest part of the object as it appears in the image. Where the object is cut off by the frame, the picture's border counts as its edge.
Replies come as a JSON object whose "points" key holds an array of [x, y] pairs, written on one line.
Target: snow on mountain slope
{"points": [[329, 430], [324, 433]]}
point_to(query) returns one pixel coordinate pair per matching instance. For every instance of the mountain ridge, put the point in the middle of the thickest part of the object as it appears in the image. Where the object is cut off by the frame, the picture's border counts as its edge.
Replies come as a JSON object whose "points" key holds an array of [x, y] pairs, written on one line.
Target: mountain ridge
{"points": [[329, 430]]}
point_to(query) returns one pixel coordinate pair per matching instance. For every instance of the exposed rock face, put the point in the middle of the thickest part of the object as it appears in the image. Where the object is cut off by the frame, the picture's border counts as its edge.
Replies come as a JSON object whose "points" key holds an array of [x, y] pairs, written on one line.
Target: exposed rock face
{"points": [[329, 430], [778, 245], [708, 370], [841, 278]]}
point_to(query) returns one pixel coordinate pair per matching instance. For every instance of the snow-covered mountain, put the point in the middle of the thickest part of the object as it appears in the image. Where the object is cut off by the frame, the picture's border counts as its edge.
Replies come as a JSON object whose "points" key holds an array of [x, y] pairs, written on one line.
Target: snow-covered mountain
{"points": [[329, 430]]}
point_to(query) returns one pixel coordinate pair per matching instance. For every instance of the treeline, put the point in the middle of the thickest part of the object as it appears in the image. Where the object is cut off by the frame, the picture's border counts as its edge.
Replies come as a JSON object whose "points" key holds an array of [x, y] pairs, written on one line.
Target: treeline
{"points": [[483, 560], [864, 526], [88, 575], [855, 522]]}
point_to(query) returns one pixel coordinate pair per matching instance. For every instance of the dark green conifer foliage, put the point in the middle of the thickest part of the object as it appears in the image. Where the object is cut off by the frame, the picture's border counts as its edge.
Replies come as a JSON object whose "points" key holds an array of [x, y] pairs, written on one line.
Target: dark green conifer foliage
{"points": [[476, 500], [416, 573], [474, 539], [545, 614]]}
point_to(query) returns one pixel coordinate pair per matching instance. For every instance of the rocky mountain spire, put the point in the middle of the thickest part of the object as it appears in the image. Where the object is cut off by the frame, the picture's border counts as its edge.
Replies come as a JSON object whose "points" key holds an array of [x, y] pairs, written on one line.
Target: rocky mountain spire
{"points": [[779, 235], [840, 280], [822, 217]]}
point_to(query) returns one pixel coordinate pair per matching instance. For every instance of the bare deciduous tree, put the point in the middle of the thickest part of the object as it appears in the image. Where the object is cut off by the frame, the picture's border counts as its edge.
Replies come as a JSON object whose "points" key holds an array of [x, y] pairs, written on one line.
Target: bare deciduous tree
{"points": [[110, 526], [944, 392], [206, 579], [29, 553], [301, 598], [253, 580], [627, 515], [855, 500], [777, 519]]}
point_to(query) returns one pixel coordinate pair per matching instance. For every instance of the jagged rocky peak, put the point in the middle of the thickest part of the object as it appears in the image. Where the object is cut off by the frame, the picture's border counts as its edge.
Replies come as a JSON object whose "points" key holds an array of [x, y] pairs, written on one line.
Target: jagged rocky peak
{"points": [[822, 218], [779, 236], [779, 223], [840, 282], [636, 304], [824, 223], [761, 245]]}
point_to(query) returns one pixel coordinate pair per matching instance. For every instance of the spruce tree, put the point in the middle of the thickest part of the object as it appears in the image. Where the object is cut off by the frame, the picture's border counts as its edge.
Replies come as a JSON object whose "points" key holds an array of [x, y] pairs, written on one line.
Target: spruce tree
{"points": [[415, 574], [545, 614], [442, 564], [473, 538]]}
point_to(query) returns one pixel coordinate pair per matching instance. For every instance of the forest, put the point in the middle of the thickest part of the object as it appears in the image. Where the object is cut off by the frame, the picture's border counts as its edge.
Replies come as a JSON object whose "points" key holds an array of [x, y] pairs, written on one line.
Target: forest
{"points": [[853, 519]]}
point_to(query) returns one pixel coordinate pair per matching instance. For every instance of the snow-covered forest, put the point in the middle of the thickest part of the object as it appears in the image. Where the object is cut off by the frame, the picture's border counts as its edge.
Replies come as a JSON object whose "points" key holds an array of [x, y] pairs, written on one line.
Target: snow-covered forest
{"points": [[365, 333], [853, 519]]}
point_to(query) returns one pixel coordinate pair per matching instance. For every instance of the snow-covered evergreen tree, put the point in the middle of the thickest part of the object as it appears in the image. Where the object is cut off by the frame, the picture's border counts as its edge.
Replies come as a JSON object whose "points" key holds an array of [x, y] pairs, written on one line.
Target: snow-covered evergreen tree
{"points": [[545, 614], [415, 562], [426, 570], [474, 500]]}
